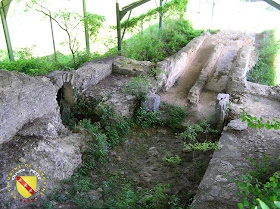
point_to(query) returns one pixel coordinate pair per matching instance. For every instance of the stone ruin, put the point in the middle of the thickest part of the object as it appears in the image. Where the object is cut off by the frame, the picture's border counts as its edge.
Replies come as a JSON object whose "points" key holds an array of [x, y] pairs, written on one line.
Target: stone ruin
{"points": [[31, 129]]}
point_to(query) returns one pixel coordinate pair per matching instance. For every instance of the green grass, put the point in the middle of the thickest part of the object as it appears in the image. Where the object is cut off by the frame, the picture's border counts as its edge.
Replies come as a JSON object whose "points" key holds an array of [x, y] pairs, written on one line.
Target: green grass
{"points": [[153, 45], [26, 63], [264, 71]]}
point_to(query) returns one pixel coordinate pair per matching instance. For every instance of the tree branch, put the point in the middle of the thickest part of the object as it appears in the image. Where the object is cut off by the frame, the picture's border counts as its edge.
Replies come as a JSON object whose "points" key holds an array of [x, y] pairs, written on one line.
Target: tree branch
{"points": [[273, 3]]}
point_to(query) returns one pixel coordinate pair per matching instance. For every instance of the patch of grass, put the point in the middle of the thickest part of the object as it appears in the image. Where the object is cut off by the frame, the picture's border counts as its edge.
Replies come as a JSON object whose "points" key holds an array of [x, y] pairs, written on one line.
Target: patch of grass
{"points": [[26, 63], [175, 115], [153, 45], [265, 70]]}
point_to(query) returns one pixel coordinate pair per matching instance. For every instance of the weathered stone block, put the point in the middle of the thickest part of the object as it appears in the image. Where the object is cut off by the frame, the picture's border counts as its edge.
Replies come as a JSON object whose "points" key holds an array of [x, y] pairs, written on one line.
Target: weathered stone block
{"points": [[126, 66], [221, 110], [25, 99], [152, 102]]}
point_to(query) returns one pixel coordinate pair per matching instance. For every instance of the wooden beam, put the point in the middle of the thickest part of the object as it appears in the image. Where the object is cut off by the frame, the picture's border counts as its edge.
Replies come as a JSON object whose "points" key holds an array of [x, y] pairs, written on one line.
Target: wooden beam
{"points": [[273, 3], [132, 6]]}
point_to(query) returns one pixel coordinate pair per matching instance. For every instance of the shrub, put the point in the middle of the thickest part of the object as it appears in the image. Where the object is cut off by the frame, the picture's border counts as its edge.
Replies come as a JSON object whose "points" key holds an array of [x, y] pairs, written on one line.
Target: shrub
{"points": [[265, 70]]}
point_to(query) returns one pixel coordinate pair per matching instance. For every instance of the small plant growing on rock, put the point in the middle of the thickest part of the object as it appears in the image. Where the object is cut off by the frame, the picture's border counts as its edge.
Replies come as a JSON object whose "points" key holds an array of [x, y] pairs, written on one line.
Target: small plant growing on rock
{"points": [[139, 86]]}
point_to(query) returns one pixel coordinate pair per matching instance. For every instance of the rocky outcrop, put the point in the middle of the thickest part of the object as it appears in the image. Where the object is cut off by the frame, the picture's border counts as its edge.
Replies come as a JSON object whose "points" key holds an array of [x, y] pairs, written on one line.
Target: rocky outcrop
{"points": [[238, 144], [126, 66], [152, 102], [111, 91], [24, 101], [82, 78]]}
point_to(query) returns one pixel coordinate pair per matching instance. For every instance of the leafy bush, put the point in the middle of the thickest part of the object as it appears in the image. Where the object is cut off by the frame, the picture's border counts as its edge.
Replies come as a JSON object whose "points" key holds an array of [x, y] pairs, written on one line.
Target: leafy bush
{"points": [[197, 137], [116, 127], [175, 114], [146, 119], [153, 45], [257, 187], [138, 86], [172, 159], [265, 70]]}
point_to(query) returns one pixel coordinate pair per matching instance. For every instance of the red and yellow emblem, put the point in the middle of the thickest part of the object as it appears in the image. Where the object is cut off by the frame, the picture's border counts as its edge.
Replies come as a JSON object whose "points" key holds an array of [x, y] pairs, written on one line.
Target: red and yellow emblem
{"points": [[26, 185]]}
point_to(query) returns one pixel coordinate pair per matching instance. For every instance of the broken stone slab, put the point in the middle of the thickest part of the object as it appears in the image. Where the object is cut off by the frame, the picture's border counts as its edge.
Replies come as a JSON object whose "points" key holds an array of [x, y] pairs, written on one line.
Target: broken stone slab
{"points": [[85, 76], [238, 125], [152, 102], [126, 66], [221, 111], [41, 127], [25, 99], [111, 92]]}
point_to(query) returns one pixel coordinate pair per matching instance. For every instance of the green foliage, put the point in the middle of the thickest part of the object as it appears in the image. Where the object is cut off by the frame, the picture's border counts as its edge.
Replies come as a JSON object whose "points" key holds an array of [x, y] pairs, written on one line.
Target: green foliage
{"points": [[197, 137], [254, 122], [95, 23], [146, 119], [138, 86], [168, 115], [83, 109], [155, 46], [192, 132], [157, 198], [205, 146], [172, 7], [172, 159], [120, 193], [116, 127], [265, 70], [175, 114], [258, 189]]}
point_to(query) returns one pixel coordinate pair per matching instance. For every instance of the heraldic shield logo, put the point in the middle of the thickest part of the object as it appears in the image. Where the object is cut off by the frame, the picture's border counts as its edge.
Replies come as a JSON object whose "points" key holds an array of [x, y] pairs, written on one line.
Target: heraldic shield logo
{"points": [[26, 185]]}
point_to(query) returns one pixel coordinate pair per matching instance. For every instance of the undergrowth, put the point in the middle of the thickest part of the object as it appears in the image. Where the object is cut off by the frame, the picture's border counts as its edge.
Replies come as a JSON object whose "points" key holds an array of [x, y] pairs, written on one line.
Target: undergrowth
{"points": [[103, 129], [153, 45], [264, 72], [260, 187]]}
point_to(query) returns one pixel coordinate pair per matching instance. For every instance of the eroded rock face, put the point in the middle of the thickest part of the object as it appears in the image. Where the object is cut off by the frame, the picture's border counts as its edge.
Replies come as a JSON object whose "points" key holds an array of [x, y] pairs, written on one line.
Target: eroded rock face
{"points": [[126, 66], [111, 91], [85, 76], [23, 101]]}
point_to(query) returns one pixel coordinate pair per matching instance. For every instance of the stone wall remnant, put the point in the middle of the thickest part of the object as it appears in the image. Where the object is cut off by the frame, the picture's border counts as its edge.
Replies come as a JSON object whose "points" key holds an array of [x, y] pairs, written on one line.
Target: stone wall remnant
{"points": [[200, 83], [24, 100], [237, 83], [126, 66], [222, 103], [173, 67]]}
